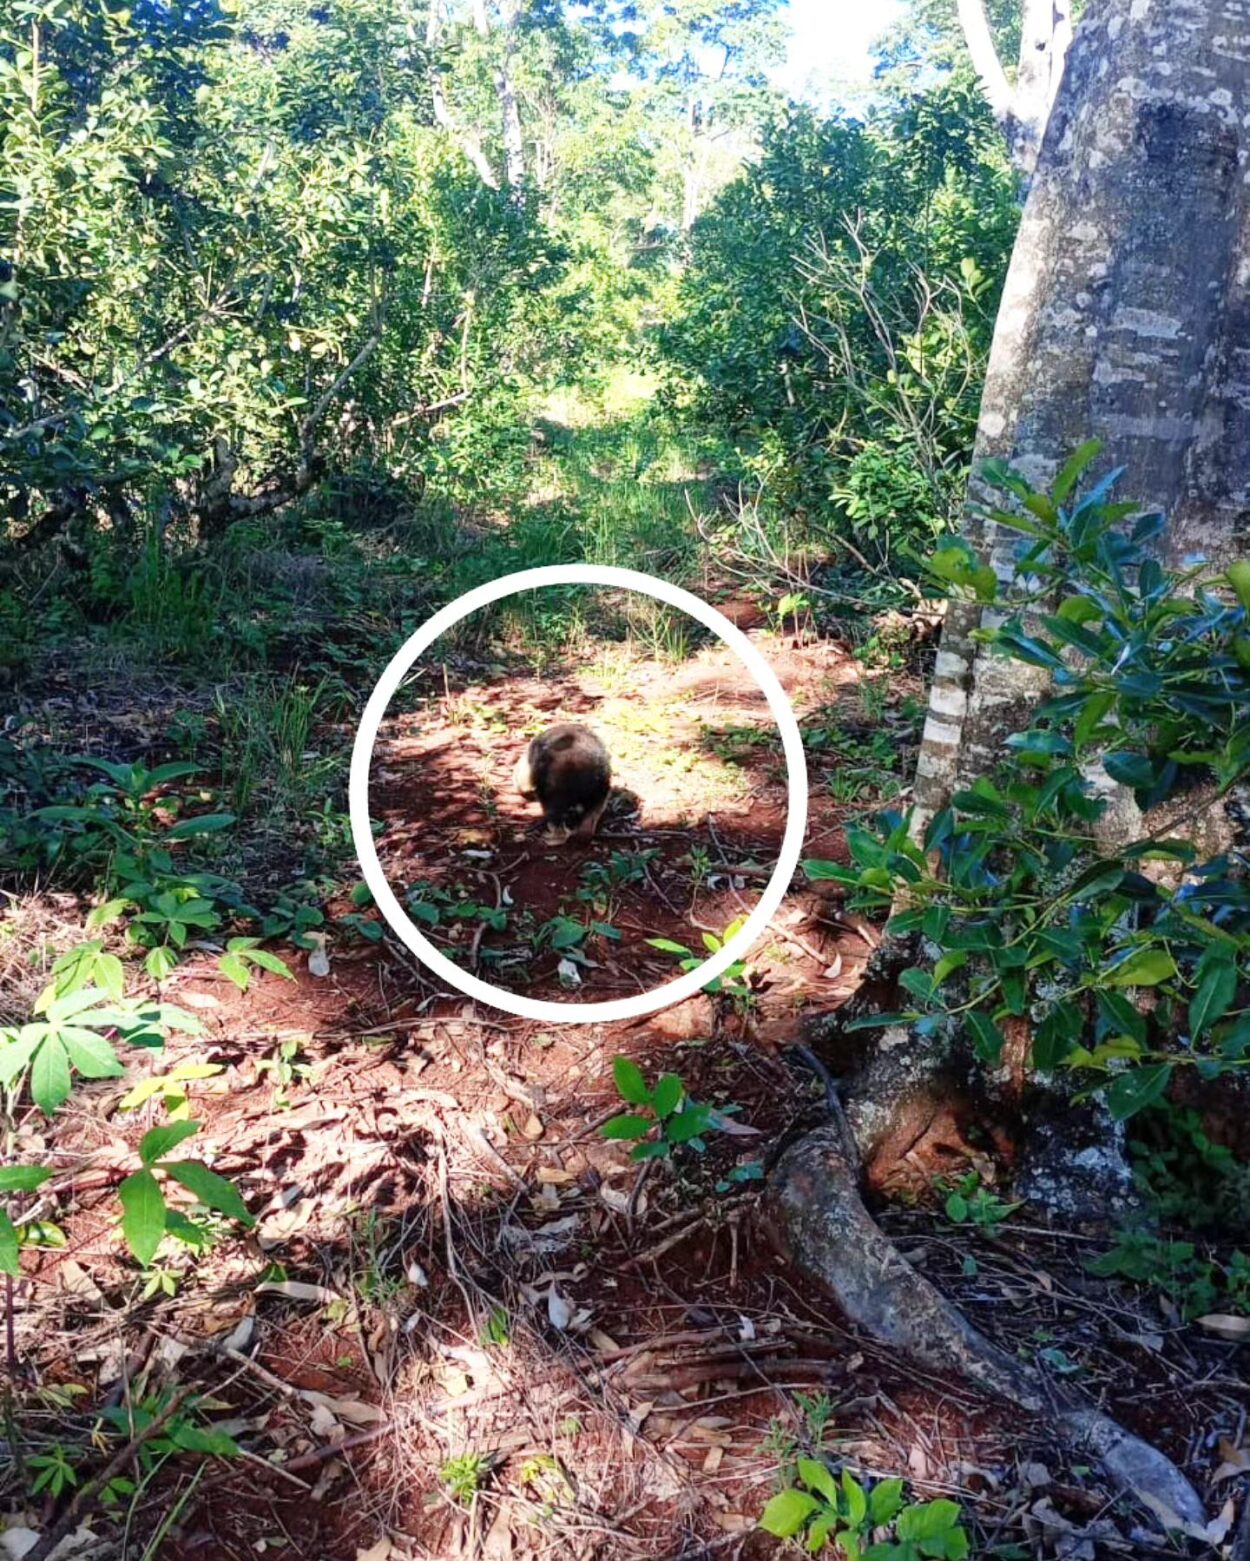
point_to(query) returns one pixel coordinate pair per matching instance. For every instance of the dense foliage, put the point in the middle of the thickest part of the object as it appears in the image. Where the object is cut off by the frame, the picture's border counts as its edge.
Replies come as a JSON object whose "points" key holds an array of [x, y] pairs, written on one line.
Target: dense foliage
{"points": [[834, 318], [1122, 958]]}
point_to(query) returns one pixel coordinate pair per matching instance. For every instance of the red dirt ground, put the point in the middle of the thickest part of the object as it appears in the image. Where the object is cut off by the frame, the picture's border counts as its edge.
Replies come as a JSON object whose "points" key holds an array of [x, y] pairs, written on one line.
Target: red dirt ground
{"points": [[451, 1260]]}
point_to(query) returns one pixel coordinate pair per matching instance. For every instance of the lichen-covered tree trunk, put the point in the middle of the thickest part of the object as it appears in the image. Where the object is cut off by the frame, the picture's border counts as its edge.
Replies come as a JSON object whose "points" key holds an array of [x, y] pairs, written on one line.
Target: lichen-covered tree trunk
{"points": [[1125, 317]]}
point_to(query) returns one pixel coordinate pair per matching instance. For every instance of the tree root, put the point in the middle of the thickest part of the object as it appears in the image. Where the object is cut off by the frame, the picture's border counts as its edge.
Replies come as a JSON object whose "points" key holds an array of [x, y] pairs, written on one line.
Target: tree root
{"points": [[818, 1221]]}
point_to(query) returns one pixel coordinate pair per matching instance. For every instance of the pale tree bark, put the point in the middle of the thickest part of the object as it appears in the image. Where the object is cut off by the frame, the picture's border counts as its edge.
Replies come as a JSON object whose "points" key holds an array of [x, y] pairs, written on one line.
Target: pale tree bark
{"points": [[1021, 110], [1125, 316], [509, 107], [443, 115]]}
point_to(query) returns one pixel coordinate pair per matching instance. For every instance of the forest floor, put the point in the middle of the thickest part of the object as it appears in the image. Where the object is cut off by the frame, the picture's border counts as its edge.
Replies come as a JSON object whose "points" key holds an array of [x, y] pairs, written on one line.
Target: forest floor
{"points": [[467, 1323]]}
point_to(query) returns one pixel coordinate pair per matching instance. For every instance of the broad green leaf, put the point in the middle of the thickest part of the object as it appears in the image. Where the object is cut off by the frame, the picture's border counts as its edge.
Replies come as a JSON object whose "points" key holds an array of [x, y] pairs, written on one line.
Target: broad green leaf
{"points": [[856, 1499], [234, 968], [50, 1081], [630, 1084], [988, 1039], [1238, 576], [1145, 967], [1070, 472], [1120, 1016], [667, 1096], [885, 1502], [667, 946], [18, 1048], [91, 1054], [10, 1247], [74, 1003], [143, 1214], [1129, 1092], [928, 1520], [271, 962], [787, 1512], [23, 1178], [155, 1145], [1214, 996], [160, 962], [819, 1477], [627, 1125], [209, 1188]]}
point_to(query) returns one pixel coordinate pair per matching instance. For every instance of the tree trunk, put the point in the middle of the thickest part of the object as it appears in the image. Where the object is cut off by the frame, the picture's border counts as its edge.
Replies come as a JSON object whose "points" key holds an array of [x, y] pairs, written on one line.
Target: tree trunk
{"points": [[1125, 317]]}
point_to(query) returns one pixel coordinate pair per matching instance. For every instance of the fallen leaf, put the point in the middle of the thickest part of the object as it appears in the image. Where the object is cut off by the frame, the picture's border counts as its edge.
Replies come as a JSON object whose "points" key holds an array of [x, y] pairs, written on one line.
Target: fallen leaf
{"points": [[1226, 1326], [382, 1551], [353, 1410], [559, 1310], [240, 1336], [714, 1459], [297, 1290]]}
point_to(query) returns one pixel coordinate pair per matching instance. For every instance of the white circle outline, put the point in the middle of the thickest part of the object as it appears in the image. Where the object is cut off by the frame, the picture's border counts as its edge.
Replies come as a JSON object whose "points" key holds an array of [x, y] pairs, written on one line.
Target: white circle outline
{"points": [[617, 1008]]}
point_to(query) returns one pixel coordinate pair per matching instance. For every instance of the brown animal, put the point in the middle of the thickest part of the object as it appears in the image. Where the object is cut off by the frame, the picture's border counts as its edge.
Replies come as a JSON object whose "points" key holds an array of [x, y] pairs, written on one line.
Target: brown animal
{"points": [[570, 772]]}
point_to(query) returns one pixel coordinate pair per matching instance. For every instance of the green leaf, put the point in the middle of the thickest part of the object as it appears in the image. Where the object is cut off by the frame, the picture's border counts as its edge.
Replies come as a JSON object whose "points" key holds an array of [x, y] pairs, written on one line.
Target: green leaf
{"points": [[23, 1178], [1120, 1016], [159, 962], [91, 1054], [10, 1246], [1214, 996], [209, 1188], [143, 1214], [667, 946], [234, 968], [988, 1039], [787, 1512], [271, 962], [885, 1502], [819, 1477], [928, 1520], [50, 1082], [103, 914], [203, 824], [667, 1096], [1070, 472], [1130, 769], [111, 975], [856, 1499], [627, 1125], [956, 1208], [630, 1084], [156, 1145], [1129, 1092], [1238, 576], [1145, 967]]}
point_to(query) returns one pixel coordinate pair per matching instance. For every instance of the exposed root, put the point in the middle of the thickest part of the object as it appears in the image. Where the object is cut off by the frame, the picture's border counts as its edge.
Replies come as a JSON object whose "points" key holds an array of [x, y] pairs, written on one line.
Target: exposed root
{"points": [[818, 1220]]}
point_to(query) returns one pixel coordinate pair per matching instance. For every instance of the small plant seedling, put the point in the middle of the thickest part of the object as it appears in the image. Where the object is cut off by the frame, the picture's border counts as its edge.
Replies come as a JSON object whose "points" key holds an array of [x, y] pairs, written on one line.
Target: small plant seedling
{"points": [[244, 953], [820, 1508], [286, 1069], [968, 1203], [464, 1475], [147, 1218], [734, 983], [667, 1111]]}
